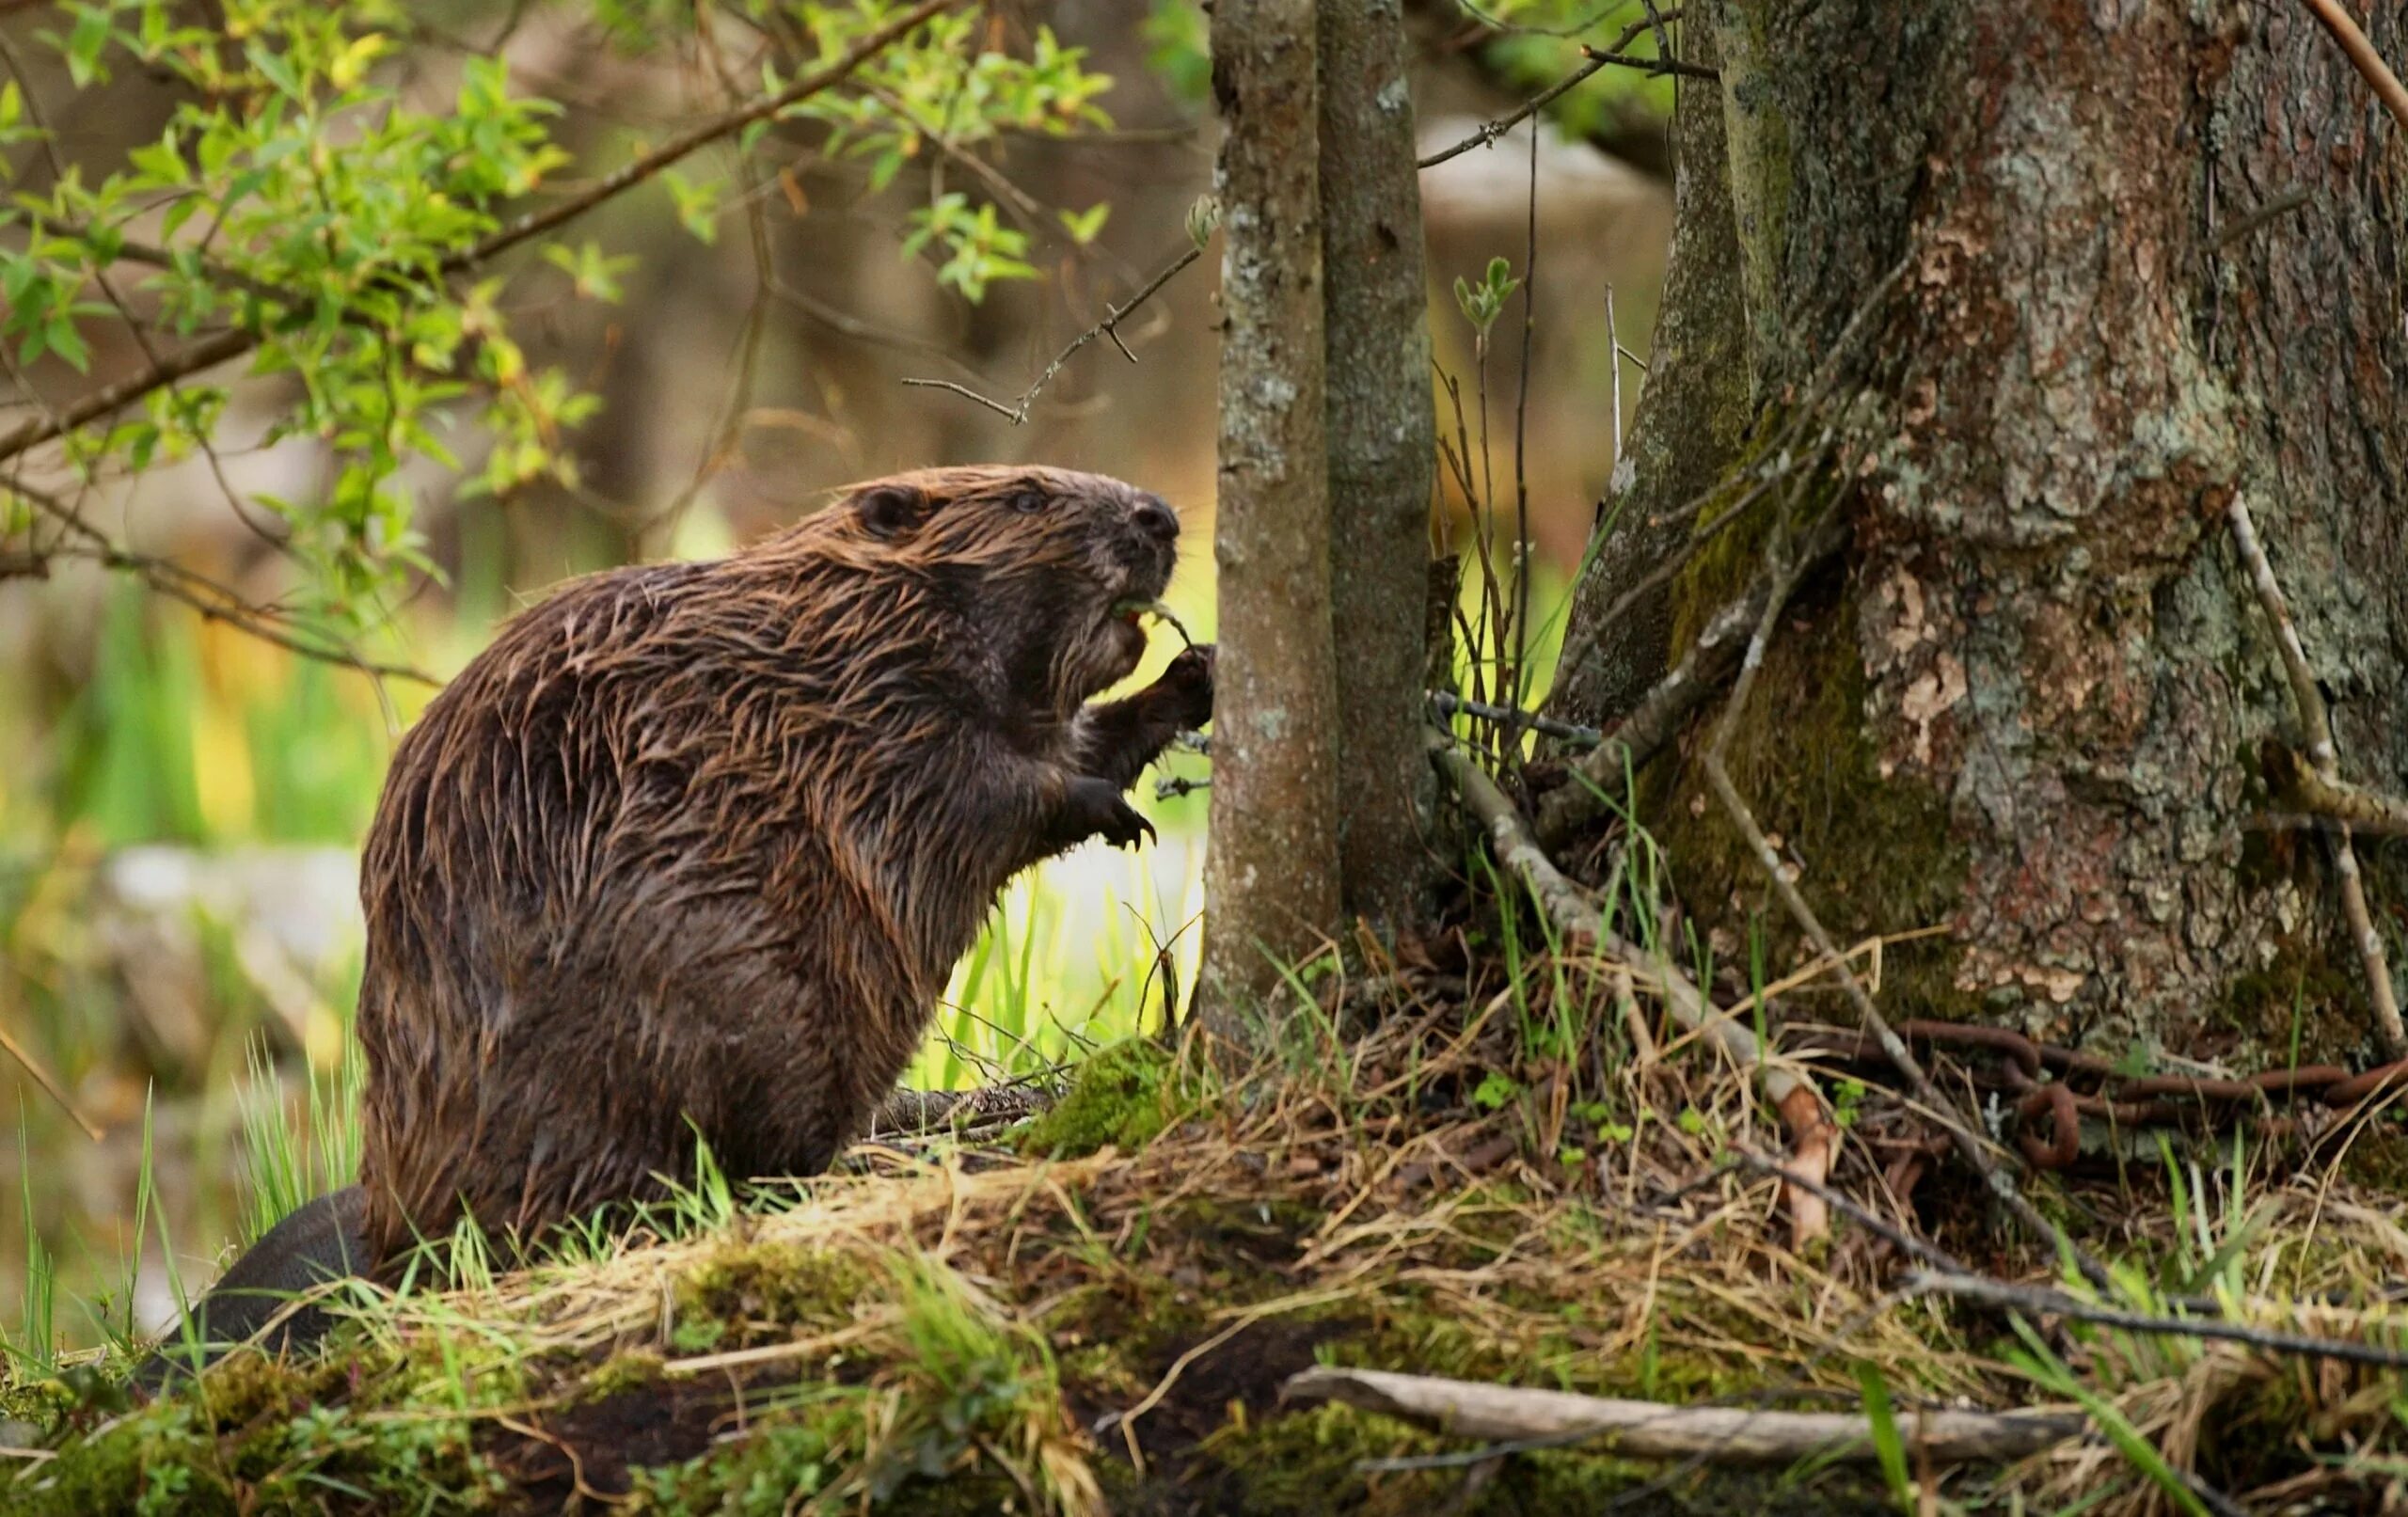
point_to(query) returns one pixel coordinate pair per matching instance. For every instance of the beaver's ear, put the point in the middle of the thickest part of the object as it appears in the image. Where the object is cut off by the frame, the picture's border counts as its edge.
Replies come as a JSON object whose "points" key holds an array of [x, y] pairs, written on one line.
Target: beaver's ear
{"points": [[892, 510]]}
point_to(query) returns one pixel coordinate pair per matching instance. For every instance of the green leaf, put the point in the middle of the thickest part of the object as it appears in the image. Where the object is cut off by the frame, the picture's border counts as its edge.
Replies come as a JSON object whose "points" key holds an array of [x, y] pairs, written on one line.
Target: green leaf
{"points": [[84, 44], [697, 204], [1084, 225]]}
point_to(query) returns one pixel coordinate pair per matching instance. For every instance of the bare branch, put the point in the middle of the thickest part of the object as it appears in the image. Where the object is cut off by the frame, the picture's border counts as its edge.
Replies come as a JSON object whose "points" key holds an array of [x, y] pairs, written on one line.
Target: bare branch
{"points": [[1599, 60], [2333, 799], [1577, 917], [1709, 664], [1016, 412], [2026, 1299], [2316, 724], [1785, 572]]}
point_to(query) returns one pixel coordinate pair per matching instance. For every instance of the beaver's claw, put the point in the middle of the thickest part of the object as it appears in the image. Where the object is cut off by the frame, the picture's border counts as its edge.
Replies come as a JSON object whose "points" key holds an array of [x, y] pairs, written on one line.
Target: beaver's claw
{"points": [[1095, 808]]}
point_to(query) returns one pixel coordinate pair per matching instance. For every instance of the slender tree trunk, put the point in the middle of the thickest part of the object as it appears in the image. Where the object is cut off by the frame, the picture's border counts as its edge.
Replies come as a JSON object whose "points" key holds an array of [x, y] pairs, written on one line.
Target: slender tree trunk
{"points": [[1382, 451], [2031, 704], [1271, 877]]}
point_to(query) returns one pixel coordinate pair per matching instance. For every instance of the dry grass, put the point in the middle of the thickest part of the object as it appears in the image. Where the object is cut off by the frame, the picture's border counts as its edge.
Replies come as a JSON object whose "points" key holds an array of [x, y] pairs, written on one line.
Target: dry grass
{"points": [[1108, 1329]]}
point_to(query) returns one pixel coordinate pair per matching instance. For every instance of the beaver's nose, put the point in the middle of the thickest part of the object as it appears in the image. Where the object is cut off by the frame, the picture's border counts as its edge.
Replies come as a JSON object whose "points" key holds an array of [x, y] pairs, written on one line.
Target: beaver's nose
{"points": [[1156, 519]]}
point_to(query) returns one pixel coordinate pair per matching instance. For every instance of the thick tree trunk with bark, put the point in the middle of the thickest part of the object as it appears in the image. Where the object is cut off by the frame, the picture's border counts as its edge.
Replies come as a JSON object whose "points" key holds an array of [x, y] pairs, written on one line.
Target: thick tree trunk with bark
{"points": [[1692, 415], [2032, 702], [1271, 875], [1382, 452]]}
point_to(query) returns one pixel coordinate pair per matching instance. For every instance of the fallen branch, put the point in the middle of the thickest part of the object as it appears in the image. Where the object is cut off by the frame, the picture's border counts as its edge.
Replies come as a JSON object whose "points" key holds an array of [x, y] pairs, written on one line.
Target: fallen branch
{"points": [[905, 1112], [2324, 759], [1811, 1129], [1647, 1429], [2036, 1302]]}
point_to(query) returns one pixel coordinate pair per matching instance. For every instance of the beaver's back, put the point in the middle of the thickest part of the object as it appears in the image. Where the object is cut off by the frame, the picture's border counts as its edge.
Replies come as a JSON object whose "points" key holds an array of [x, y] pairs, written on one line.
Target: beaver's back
{"points": [[611, 862]]}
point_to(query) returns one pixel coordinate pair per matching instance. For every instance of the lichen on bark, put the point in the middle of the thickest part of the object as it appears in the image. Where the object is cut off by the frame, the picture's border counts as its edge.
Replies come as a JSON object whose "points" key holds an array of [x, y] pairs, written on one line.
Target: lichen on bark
{"points": [[1271, 874]]}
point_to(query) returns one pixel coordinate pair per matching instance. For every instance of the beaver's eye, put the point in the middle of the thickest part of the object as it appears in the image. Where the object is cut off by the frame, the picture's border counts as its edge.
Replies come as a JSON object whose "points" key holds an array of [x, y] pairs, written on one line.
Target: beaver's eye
{"points": [[1028, 502]]}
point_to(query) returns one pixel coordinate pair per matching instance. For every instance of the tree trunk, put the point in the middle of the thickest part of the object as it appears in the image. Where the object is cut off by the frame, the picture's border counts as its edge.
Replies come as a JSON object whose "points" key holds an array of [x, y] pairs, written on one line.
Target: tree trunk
{"points": [[1685, 433], [1382, 451], [2032, 704], [1271, 875]]}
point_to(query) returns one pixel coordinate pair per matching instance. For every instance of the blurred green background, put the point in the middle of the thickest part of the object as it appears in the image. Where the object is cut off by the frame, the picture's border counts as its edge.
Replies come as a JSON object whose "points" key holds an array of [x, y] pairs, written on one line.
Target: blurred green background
{"points": [[180, 802]]}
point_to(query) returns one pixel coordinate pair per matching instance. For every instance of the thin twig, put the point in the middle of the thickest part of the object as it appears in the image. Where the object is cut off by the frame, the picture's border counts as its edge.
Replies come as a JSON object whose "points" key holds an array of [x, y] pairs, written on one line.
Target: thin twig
{"points": [[2369, 63], [1451, 705], [2316, 725], [1016, 413], [50, 1086], [2275, 206], [1849, 1207], [2032, 1300], [1603, 772], [1519, 672], [1611, 56]]}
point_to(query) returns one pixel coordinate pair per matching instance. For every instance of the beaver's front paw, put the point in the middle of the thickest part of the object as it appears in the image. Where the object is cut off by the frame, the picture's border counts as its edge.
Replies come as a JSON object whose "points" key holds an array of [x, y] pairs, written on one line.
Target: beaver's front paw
{"points": [[1094, 809], [1186, 688]]}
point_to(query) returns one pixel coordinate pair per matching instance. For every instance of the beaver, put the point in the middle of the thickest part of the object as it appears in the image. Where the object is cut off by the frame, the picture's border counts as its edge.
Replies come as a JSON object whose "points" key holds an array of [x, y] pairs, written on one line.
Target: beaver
{"points": [[692, 848]]}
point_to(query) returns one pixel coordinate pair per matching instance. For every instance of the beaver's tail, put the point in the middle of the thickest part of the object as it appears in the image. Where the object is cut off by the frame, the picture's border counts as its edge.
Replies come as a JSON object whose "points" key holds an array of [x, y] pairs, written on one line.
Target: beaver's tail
{"points": [[324, 1239]]}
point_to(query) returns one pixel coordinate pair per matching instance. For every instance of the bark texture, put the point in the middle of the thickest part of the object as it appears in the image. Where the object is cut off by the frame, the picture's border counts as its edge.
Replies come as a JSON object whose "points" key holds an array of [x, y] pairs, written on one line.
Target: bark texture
{"points": [[1271, 877], [2032, 705], [1687, 431], [1382, 451]]}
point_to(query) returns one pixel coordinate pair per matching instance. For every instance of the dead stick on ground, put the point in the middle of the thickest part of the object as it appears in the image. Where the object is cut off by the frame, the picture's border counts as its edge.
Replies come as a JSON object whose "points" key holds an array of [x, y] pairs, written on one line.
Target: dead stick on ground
{"points": [[1785, 576], [2369, 63], [1647, 1429], [1576, 916], [2316, 725]]}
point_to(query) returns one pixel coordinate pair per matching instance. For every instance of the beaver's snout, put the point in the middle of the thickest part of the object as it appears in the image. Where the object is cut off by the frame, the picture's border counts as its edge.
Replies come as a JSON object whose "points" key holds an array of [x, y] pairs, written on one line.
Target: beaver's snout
{"points": [[1155, 519], [1150, 551]]}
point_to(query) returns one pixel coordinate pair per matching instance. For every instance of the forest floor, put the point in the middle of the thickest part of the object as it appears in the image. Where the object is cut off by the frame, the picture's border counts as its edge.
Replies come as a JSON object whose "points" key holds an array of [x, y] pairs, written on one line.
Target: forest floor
{"points": [[1102, 1309]]}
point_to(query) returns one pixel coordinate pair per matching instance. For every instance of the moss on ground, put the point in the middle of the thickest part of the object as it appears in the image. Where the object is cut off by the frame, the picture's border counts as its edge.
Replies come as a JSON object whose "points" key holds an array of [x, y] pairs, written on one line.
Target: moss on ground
{"points": [[1121, 1097], [992, 1333], [355, 1431]]}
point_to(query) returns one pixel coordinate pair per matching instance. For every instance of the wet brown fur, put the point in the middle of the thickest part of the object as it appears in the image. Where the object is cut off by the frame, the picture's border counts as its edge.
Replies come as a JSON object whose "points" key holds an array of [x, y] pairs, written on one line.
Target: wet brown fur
{"points": [[701, 842]]}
